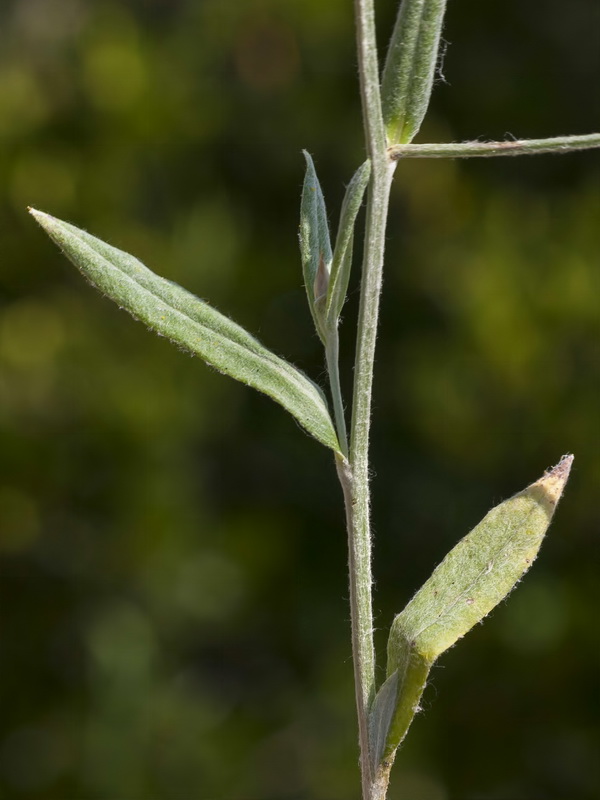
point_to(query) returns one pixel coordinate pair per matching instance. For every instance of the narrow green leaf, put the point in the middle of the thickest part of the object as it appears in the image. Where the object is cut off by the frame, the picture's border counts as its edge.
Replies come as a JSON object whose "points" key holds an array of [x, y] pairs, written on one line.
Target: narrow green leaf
{"points": [[342, 254], [192, 324], [315, 245], [410, 67], [482, 569], [474, 577]]}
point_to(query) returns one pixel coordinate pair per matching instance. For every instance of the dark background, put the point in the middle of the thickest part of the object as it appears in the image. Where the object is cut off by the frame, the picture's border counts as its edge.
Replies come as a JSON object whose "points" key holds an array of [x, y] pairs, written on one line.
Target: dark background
{"points": [[173, 599]]}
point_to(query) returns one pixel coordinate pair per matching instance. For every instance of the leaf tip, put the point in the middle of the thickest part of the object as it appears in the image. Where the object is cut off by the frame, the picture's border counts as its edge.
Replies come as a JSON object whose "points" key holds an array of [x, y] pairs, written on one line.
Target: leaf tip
{"points": [[554, 480], [40, 217]]}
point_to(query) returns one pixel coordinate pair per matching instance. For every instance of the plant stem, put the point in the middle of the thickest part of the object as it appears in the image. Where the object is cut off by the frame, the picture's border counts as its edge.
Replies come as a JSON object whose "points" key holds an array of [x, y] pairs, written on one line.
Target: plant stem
{"points": [[368, 70], [358, 511], [354, 473], [518, 147], [361, 613]]}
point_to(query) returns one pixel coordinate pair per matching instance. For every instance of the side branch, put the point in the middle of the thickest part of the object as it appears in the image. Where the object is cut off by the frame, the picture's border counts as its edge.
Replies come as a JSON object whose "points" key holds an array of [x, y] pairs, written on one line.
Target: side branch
{"points": [[516, 147]]}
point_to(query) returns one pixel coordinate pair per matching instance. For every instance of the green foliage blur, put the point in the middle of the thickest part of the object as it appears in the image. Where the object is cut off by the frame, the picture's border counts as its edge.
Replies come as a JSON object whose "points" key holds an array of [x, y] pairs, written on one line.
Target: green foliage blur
{"points": [[174, 621]]}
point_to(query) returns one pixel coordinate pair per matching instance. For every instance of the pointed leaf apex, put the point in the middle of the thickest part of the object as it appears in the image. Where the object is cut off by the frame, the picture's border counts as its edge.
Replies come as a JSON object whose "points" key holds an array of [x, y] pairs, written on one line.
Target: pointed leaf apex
{"points": [[47, 221], [554, 480]]}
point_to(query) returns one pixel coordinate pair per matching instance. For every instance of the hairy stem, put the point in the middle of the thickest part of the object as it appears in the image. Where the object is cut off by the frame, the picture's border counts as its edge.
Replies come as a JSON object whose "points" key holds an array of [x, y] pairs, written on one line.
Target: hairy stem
{"points": [[359, 522], [368, 71], [516, 147], [363, 654], [354, 473]]}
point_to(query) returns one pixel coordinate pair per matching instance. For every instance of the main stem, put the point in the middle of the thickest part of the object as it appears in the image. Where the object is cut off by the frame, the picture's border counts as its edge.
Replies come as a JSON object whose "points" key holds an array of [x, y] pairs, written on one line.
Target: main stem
{"points": [[356, 484], [354, 472]]}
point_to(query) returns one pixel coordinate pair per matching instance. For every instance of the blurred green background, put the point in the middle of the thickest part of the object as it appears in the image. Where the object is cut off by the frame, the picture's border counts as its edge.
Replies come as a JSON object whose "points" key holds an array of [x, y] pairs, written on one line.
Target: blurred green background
{"points": [[173, 600]]}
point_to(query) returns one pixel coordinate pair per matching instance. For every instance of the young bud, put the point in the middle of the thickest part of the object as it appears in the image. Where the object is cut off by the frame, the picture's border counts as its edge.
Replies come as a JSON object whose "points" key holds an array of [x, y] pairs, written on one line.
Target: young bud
{"points": [[342, 254], [410, 67], [315, 245]]}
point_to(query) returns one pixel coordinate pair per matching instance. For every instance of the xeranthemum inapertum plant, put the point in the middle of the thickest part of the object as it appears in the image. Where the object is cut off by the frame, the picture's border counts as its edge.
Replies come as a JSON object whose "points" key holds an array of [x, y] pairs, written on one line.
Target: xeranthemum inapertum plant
{"points": [[484, 567]]}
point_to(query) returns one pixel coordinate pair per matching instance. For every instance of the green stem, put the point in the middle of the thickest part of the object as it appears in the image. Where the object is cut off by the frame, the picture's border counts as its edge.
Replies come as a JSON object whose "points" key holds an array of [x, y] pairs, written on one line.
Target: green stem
{"points": [[332, 355], [518, 147], [359, 517], [368, 70], [363, 653], [354, 473]]}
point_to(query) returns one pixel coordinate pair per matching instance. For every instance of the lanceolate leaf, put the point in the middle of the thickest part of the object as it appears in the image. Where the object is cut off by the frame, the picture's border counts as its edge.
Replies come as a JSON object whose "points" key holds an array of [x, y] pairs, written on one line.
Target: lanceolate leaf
{"points": [[315, 245], [342, 255], [410, 67], [191, 323], [473, 578]]}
